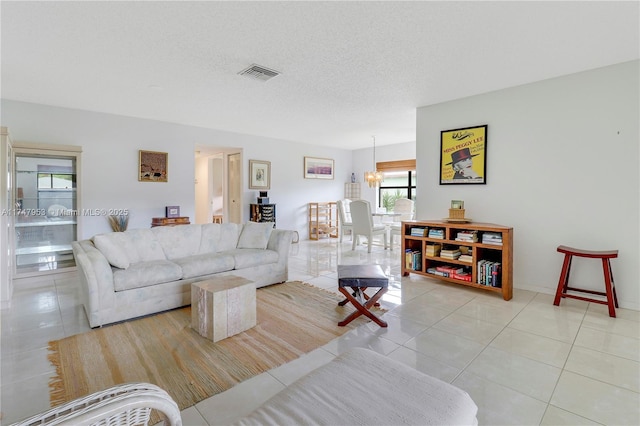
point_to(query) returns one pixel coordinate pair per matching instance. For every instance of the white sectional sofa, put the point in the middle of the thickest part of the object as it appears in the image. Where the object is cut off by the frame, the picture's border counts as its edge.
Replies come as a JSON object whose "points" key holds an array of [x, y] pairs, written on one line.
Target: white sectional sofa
{"points": [[143, 271]]}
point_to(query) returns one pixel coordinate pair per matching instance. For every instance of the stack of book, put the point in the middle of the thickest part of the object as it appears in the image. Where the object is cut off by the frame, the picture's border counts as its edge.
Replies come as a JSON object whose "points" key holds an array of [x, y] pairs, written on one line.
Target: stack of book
{"points": [[433, 250], [413, 259], [419, 231], [489, 273], [436, 233], [450, 272], [494, 238], [464, 276], [467, 236], [450, 253], [466, 258]]}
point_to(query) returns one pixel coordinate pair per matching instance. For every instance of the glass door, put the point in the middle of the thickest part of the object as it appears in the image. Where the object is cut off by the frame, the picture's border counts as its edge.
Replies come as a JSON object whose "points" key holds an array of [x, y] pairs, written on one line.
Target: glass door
{"points": [[45, 225]]}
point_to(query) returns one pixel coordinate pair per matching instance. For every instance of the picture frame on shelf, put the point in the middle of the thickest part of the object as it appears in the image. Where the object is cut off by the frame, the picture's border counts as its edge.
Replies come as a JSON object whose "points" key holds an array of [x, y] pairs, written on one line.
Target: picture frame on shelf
{"points": [[457, 204], [153, 166], [172, 211], [318, 168], [259, 174], [463, 156]]}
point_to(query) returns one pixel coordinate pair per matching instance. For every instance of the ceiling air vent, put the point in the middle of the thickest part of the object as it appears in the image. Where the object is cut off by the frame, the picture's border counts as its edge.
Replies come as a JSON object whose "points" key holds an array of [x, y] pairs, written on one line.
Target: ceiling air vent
{"points": [[259, 72]]}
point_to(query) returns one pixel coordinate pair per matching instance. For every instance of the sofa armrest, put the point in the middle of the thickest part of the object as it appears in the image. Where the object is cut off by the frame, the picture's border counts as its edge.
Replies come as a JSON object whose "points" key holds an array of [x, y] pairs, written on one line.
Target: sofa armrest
{"points": [[280, 241], [96, 278]]}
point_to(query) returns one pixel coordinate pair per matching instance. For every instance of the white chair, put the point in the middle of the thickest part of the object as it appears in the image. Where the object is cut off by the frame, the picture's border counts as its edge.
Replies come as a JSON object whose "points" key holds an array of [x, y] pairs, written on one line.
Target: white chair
{"points": [[362, 221], [404, 206], [344, 218], [126, 404]]}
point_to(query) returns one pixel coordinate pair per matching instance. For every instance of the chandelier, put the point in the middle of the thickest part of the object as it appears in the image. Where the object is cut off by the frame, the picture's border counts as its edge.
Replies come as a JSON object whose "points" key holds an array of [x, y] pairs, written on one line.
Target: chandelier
{"points": [[375, 177]]}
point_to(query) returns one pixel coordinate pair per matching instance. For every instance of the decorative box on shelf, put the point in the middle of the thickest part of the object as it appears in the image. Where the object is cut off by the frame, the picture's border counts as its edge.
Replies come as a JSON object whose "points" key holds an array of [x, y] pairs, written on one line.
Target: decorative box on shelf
{"points": [[169, 221]]}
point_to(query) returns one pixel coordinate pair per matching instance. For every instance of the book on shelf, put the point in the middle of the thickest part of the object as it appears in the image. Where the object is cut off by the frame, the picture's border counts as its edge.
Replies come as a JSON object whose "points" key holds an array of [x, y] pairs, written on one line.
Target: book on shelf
{"points": [[436, 233], [489, 273], [492, 238], [419, 231], [450, 269], [433, 250], [413, 259], [467, 236], [466, 258], [464, 276], [434, 271], [450, 253]]}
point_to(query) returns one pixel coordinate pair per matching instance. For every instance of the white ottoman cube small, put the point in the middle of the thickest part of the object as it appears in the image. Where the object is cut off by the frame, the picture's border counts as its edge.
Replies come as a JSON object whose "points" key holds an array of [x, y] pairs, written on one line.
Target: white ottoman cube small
{"points": [[223, 306]]}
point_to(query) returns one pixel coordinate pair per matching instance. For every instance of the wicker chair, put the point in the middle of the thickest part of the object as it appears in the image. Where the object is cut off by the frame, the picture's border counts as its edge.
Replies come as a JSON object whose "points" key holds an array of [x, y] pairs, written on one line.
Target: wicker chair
{"points": [[126, 404]]}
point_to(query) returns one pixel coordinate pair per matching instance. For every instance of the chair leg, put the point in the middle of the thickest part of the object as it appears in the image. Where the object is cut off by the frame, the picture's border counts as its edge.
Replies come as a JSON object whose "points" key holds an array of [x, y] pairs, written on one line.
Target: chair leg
{"points": [[608, 281], [564, 279]]}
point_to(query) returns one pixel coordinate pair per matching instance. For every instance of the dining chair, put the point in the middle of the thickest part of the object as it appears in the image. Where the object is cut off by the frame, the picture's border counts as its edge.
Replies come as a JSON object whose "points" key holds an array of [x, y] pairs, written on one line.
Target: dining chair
{"points": [[344, 218], [404, 206], [362, 222]]}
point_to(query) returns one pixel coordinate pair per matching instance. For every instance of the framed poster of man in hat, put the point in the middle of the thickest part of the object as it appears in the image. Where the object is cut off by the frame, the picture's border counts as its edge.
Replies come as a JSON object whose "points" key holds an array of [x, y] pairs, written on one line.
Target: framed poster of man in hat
{"points": [[463, 156]]}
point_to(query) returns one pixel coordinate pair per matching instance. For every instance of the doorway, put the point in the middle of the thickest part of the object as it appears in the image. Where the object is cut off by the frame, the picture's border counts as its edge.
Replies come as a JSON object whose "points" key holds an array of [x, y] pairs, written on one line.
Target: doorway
{"points": [[44, 190], [218, 185]]}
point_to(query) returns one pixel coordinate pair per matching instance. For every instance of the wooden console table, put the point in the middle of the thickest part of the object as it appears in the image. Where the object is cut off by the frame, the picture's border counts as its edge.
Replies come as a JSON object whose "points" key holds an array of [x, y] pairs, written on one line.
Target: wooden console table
{"points": [[169, 221]]}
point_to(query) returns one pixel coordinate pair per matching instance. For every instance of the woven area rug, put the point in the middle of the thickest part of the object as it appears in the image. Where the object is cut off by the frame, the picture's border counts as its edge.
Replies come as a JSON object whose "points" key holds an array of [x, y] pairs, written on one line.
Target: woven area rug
{"points": [[293, 318]]}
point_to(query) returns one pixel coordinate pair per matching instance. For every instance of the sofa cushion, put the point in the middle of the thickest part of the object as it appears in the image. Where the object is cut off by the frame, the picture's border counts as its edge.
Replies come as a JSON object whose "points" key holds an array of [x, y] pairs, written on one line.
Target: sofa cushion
{"points": [[178, 241], [204, 264], [146, 245], [144, 274], [255, 235], [247, 258], [117, 248], [218, 237]]}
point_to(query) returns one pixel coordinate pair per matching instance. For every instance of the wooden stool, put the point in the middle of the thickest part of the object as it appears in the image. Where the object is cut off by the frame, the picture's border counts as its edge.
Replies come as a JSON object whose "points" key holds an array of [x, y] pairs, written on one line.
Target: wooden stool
{"points": [[217, 219], [359, 278], [610, 290]]}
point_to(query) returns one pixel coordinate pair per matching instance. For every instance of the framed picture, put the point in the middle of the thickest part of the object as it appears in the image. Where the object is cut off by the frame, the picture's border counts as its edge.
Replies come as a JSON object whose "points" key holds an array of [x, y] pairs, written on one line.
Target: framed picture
{"points": [[457, 204], [152, 166], [172, 211], [318, 168], [463, 156], [259, 174]]}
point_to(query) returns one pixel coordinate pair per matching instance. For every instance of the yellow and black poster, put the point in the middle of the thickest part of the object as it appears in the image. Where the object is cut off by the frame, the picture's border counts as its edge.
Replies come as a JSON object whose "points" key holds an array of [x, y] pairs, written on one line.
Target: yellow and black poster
{"points": [[463, 155]]}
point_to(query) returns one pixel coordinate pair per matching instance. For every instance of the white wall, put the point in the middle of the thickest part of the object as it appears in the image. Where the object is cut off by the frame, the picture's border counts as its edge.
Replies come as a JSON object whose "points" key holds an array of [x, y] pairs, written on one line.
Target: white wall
{"points": [[110, 159], [562, 168]]}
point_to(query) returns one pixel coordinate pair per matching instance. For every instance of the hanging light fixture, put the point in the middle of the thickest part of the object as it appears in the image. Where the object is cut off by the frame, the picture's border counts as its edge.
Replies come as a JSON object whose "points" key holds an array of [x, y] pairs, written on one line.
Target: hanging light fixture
{"points": [[375, 177]]}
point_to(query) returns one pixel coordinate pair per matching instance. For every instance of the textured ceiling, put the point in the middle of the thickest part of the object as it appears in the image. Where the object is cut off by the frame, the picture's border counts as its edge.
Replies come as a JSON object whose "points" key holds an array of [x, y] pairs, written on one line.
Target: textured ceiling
{"points": [[350, 70]]}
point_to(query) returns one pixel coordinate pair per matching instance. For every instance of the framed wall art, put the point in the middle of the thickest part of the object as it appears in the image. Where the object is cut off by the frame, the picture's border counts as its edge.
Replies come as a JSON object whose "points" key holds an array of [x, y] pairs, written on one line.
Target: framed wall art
{"points": [[259, 174], [172, 211], [318, 168], [463, 156], [152, 166]]}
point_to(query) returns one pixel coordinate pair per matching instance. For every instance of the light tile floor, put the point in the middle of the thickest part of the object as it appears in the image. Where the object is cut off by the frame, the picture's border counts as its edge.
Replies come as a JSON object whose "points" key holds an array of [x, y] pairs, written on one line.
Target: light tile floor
{"points": [[524, 362]]}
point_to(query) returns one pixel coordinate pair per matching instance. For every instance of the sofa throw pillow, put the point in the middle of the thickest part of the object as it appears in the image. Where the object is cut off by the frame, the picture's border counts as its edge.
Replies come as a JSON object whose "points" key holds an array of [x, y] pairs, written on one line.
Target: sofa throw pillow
{"points": [[255, 235], [113, 247]]}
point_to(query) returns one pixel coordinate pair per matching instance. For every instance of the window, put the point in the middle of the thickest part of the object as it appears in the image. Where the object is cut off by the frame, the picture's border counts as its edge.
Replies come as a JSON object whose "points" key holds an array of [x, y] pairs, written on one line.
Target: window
{"points": [[399, 182], [56, 181]]}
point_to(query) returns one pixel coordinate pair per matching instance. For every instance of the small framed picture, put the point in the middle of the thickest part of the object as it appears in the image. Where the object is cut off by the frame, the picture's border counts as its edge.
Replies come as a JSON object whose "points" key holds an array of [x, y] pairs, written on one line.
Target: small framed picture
{"points": [[259, 174], [173, 211], [457, 204], [152, 166], [318, 168]]}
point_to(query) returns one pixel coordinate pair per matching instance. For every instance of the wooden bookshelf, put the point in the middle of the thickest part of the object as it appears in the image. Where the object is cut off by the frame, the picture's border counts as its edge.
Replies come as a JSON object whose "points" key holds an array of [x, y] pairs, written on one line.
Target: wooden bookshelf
{"points": [[497, 256], [323, 220]]}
